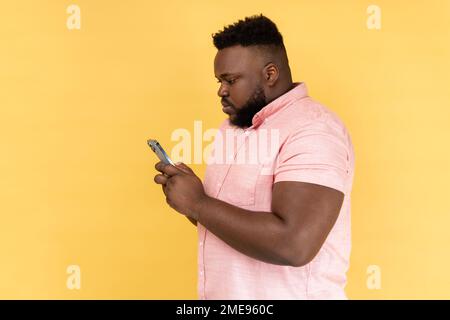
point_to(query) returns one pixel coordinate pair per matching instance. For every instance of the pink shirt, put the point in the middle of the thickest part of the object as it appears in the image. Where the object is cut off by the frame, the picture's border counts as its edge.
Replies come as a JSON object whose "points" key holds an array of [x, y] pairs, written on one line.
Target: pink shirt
{"points": [[310, 144]]}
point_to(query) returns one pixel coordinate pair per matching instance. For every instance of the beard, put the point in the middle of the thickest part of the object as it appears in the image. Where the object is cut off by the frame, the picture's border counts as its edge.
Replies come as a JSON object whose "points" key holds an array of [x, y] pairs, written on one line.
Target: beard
{"points": [[243, 117]]}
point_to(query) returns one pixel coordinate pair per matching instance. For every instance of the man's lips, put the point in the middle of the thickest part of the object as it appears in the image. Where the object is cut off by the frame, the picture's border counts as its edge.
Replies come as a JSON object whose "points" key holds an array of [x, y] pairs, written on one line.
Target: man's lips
{"points": [[227, 108]]}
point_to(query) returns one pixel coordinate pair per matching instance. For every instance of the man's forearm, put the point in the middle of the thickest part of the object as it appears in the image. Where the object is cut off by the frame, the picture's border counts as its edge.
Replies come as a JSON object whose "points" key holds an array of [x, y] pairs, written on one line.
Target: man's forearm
{"points": [[260, 235]]}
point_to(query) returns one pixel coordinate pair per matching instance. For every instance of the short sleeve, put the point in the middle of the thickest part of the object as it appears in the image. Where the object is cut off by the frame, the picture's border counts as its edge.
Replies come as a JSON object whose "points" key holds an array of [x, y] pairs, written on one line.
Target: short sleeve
{"points": [[315, 153]]}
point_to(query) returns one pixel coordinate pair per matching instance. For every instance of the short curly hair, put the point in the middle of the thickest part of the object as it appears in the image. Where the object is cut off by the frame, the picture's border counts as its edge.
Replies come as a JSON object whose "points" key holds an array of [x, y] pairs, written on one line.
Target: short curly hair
{"points": [[252, 31]]}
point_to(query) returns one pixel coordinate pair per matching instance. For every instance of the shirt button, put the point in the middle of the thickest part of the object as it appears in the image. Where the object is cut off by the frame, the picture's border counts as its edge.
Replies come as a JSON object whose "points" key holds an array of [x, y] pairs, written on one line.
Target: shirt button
{"points": [[201, 244]]}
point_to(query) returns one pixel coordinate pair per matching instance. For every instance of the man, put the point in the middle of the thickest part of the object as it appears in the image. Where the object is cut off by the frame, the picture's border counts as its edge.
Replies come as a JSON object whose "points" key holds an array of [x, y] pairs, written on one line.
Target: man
{"points": [[278, 229]]}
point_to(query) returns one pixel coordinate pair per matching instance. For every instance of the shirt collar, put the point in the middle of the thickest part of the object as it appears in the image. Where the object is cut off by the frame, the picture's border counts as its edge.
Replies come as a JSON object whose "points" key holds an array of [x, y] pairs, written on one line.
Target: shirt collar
{"points": [[299, 91]]}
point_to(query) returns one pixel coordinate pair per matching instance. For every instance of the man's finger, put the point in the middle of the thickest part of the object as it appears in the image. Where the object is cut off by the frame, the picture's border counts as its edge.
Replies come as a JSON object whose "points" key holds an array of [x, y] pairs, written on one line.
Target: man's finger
{"points": [[160, 179], [159, 165], [168, 169]]}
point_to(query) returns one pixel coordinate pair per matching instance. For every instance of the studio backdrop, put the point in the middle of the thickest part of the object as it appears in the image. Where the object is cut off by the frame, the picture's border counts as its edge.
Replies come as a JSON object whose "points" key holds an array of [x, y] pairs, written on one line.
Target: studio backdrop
{"points": [[84, 84]]}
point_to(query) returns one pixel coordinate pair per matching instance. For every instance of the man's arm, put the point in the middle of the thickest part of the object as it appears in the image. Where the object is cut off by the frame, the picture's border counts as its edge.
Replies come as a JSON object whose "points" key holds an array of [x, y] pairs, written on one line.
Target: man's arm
{"points": [[302, 214], [300, 220]]}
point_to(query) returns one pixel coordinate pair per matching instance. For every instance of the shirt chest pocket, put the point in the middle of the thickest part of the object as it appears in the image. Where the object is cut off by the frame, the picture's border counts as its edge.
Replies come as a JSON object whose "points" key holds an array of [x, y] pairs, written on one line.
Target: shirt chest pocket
{"points": [[239, 185]]}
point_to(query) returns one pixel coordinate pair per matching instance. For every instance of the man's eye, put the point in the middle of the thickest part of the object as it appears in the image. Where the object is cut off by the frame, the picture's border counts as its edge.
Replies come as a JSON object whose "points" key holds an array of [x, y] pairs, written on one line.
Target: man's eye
{"points": [[231, 81]]}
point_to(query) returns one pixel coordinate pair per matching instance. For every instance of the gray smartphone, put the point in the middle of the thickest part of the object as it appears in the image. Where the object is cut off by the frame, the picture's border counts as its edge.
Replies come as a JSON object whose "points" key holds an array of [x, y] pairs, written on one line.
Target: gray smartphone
{"points": [[162, 155]]}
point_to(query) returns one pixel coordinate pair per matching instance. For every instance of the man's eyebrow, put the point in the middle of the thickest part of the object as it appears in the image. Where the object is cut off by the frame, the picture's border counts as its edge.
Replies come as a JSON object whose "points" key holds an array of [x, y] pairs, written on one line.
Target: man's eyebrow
{"points": [[228, 74]]}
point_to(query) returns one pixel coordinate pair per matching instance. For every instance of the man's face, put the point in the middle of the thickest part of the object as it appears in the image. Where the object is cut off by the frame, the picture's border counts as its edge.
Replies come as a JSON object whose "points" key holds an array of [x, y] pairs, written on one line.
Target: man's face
{"points": [[239, 72]]}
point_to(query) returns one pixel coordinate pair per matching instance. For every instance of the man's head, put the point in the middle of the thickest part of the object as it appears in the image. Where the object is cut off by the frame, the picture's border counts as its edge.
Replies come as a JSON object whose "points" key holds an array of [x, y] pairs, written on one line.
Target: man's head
{"points": [[251, 66]]}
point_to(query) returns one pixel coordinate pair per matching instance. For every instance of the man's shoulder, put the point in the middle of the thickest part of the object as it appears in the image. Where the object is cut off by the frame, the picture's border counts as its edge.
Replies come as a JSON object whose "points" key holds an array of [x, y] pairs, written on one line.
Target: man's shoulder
{"points": [[308, 113], [309, 118]]}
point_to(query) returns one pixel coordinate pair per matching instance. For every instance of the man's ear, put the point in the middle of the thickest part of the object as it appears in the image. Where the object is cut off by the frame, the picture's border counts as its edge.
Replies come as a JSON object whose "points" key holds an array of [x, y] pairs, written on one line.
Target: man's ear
{"points": [[271, 74]]}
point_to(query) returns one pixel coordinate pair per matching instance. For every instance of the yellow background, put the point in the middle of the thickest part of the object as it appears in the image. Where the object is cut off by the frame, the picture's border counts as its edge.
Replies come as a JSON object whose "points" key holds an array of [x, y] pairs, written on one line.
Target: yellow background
{"points": [[76, 175]]}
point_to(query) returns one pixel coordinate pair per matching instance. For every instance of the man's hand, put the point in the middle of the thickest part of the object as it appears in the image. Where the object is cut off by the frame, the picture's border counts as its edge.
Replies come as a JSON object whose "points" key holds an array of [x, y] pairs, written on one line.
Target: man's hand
{"points": [[183, 189]]}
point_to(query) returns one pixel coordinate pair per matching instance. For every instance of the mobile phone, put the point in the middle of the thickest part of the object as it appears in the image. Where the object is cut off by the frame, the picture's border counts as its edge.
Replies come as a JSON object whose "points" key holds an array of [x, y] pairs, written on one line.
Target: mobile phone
{"points": [[162, 155]]}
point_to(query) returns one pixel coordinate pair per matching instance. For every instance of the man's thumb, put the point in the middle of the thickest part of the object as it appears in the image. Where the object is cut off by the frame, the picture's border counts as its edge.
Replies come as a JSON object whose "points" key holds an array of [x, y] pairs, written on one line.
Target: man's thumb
{"points": [[183, 167]]}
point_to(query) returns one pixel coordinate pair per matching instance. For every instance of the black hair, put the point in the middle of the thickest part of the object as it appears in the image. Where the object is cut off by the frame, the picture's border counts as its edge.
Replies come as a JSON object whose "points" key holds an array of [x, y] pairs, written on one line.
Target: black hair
{"points": [[253, 30]]}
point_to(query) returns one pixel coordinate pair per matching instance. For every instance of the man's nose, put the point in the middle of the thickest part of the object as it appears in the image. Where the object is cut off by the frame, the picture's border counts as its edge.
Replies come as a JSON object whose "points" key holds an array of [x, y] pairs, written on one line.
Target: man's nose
{"points": [[223, 91]]}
